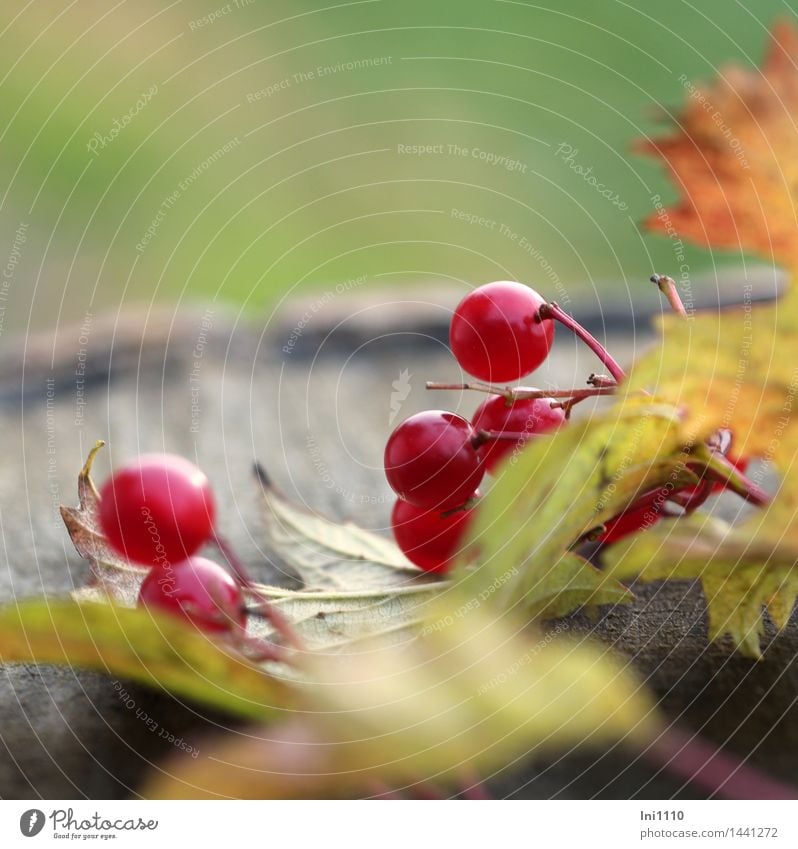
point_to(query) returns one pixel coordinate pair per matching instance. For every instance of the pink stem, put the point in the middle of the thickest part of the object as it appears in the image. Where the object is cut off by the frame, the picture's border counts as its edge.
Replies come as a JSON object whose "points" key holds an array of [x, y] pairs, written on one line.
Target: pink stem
{"points": [[281, 625], [553, 311], [746, 489], [689, 757]]}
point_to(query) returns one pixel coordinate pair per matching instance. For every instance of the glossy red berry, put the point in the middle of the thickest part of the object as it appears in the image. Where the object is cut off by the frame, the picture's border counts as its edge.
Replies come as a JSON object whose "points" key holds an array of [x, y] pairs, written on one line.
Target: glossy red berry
{"points": [[428, 538], [630, 522], [430, 461], [157, 510], [529, 416], [495, 335], [198, 591]]}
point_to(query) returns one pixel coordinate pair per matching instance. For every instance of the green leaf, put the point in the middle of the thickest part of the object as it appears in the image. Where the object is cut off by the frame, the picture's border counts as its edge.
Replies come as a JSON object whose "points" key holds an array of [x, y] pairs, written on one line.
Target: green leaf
{"points": [[559, 489], [159, 651], [473, 694], [570, 584]]}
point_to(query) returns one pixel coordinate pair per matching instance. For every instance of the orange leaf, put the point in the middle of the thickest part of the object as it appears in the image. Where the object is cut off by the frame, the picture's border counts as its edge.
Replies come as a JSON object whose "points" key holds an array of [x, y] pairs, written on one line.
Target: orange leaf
{"points": [[733, 157]]}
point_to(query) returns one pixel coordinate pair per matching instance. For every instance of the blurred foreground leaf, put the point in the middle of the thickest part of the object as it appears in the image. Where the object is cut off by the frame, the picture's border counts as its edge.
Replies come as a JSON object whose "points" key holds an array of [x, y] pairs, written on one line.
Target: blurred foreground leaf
{"points": [[125, 643], [473, 694]]}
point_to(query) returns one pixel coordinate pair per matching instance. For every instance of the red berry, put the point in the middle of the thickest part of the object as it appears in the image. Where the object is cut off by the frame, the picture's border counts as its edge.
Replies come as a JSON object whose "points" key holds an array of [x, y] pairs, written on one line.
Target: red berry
{"points": [[426, 537], [529, 416], [197, 590], [630, 522], [157, 510], [495, 334], [430, 461]]}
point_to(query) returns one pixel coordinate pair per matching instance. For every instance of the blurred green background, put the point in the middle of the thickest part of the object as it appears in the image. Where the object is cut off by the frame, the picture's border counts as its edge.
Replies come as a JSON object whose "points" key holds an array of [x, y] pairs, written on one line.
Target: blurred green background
{"points": [[202, 150]]}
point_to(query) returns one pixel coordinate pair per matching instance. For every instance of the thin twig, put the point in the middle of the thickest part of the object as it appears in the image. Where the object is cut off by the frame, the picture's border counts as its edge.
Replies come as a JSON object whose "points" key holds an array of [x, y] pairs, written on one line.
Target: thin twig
{"points": [[601, 380], [667, 286], [554, 311], [519, 393]]}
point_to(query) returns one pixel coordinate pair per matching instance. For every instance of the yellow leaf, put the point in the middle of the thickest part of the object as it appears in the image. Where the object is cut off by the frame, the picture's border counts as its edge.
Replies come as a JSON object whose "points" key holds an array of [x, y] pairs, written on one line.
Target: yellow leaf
{"points": [[473, 694], [131, 643], [562, 487], [743, 570], [736, 368]]}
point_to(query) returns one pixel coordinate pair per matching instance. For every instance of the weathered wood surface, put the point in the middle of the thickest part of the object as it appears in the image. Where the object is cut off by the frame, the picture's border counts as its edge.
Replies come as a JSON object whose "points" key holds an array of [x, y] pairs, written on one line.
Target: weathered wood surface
{"points": [[317, 417]]}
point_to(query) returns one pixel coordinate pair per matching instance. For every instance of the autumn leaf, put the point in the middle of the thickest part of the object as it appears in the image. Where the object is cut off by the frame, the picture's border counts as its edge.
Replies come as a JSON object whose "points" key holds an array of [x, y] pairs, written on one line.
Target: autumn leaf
{"points": [[329, 555], [744, 571], [732, 158], [472, 694], [735, 368]]}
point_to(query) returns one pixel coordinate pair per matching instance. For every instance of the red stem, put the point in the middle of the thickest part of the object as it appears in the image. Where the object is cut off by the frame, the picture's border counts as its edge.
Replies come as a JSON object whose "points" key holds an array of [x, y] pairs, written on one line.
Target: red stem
{"points": [[281, 625], [699, 762], [553, 311], [691, 503], [746, 488]]}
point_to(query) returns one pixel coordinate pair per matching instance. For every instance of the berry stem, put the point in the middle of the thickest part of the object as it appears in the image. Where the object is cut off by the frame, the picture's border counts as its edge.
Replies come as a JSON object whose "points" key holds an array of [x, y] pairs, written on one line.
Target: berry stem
{"points": [[280, 624], [553, 311], [699, 762], [743, 486], [667, 286], [519, 393], [483, 436]]}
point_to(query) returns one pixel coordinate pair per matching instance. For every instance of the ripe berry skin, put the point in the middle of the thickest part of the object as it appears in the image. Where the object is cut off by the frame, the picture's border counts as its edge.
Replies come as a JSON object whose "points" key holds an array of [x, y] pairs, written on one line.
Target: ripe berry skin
{"points": [[430, 461], [158, 509], [428, 538], [494, 334], [529, 416], [197, 590], [630, 522]]}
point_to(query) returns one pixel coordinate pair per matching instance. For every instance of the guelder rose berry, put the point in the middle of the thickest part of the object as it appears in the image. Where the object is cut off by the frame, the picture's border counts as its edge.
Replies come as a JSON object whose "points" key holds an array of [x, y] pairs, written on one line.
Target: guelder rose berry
{"points": [[157, 510], [428, 538], [431, 462], [198, 591], [527, 416], [495, 335]]}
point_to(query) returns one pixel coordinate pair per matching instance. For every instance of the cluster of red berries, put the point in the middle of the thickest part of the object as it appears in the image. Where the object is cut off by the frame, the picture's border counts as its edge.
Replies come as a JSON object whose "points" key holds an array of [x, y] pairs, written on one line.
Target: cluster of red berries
{"points": [[158, 511], [435, 460]]}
